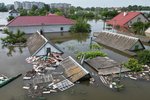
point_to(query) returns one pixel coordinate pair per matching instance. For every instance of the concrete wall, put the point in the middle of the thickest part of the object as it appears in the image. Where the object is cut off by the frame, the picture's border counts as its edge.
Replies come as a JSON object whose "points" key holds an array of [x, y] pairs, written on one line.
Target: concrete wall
{"points": [[33, 29], [43, 51], [139, 45], [142, 19]]}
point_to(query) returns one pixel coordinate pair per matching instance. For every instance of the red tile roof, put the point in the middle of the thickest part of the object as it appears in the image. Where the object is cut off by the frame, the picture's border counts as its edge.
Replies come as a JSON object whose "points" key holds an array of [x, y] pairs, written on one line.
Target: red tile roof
{"points": [[40, 20], [121, 20]]}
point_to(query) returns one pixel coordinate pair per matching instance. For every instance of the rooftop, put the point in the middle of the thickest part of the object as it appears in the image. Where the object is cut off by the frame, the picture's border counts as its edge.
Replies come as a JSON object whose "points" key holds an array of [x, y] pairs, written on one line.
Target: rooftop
{"points": [[117, 41], [50, 19], [122, 18]]}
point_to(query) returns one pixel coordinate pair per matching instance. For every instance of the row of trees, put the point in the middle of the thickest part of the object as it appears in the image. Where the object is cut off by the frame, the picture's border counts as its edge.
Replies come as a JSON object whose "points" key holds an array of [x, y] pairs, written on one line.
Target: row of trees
{"points": [[135, 8]]}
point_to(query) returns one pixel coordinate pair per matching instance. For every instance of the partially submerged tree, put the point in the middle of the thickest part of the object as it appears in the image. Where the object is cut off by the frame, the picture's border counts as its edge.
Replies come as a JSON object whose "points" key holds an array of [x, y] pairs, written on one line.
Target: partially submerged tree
{"points": [[133, 65], [90, 54], [12, 38], [144, 57], [80, 26]]}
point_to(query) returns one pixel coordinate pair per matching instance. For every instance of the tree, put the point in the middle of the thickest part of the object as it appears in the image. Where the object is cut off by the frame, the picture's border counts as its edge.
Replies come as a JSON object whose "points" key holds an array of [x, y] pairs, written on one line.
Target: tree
{"points": [[143, 56], [10, 18], [12, 38], [139, 27], [133, 65], [81, 25]]}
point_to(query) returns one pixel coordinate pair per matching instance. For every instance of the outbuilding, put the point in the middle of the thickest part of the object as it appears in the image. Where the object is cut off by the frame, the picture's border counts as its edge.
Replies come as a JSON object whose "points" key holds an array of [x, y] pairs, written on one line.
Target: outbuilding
{"points": [[38, 45]]}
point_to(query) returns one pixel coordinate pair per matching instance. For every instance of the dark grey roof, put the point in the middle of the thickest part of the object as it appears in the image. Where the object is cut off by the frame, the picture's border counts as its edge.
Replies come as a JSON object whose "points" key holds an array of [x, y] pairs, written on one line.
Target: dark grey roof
{"points": [[73, 70], [105, 65], [13, 11], [36, 41], [117, 41]]}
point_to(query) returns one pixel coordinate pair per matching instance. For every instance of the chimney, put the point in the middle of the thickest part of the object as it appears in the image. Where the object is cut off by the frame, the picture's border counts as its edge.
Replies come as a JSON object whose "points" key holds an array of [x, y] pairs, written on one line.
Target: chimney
{"points": [[125, 13], [41, 32]]}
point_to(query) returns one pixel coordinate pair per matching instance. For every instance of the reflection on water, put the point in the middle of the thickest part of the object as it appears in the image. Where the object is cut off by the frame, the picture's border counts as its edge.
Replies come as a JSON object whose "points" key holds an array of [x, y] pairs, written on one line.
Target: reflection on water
{"points": [[12, 49], [62, 37]]}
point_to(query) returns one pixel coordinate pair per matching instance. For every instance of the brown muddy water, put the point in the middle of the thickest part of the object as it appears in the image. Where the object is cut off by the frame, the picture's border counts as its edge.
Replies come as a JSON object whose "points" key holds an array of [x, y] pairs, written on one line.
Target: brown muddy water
{"points": [[12, 62]]}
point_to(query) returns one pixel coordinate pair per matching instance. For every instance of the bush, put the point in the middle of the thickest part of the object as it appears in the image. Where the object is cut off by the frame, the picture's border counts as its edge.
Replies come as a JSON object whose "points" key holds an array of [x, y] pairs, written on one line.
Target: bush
{"points": [[90, 54], [12, 38], [10, 18], [81, 26], [143, 56], [133, 65]]}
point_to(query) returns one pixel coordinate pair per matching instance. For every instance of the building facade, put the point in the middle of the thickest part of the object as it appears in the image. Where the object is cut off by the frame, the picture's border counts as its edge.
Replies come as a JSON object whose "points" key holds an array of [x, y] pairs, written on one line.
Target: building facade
{"points": [[60, 5], [17, 5], [126, 19], [38, 45], [27, 5], [13, 13], [50, 23]]}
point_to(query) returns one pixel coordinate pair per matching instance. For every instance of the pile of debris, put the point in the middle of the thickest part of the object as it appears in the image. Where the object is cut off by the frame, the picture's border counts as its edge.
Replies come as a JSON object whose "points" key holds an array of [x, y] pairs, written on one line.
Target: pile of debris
{"points": [[143, 75], [51, 74]]}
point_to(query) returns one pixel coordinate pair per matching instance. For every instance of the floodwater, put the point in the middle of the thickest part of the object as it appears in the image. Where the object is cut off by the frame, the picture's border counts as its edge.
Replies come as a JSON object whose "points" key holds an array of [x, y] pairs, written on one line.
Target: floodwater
{"points": [[12, 62]]}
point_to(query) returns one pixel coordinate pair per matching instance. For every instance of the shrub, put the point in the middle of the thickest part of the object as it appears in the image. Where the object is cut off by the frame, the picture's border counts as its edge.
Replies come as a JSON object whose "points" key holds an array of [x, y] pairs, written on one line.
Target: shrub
{"points": [[90, 54], [133, 65], [81, 26], [143, 56]]}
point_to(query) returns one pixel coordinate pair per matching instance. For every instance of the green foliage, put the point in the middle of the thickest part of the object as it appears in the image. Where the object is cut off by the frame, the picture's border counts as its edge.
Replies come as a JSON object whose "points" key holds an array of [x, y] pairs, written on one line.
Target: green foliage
{"points": [[139, 27], [35, 11], [106, 14], [90, 54], [81, 25], [133, 65], [143, 56], [95, 46], [12, 38], [3, 8], [10, 18]]}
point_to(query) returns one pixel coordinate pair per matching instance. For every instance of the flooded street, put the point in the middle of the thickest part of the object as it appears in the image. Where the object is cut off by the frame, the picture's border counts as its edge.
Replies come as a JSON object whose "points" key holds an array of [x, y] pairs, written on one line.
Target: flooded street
{"points": [[12, 62]]}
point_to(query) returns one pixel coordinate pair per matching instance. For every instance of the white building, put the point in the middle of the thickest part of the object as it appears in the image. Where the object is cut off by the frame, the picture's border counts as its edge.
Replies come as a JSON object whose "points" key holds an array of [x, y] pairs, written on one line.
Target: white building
{"points": [[28, 5], [49, 23], [147, 32], [14, 13], [60, 5], [126, 19], [17, 5], [2, 4], [38, 45]]}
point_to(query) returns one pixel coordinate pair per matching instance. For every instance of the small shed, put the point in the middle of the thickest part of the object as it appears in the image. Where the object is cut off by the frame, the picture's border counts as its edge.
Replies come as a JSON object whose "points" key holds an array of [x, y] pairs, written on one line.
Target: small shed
{"points": [[147, 32], [38, 45], [106, 66], [73, 70], [14, 13], [119, 41]]}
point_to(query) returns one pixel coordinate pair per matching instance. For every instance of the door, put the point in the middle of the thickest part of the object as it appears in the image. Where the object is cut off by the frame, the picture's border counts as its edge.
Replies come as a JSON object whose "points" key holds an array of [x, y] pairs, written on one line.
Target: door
{"points": [[48, 51]]}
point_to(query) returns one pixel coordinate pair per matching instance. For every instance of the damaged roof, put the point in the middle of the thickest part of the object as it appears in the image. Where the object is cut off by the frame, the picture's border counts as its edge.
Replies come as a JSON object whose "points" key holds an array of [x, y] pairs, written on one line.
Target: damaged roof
{"points": [[73, 70], [105, 65]]}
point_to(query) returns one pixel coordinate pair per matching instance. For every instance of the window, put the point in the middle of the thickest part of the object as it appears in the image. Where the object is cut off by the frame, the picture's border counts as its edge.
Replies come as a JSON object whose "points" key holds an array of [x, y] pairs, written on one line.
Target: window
{"points": [[130, 22], [48, 50], [139, 19], [61, 28]]}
